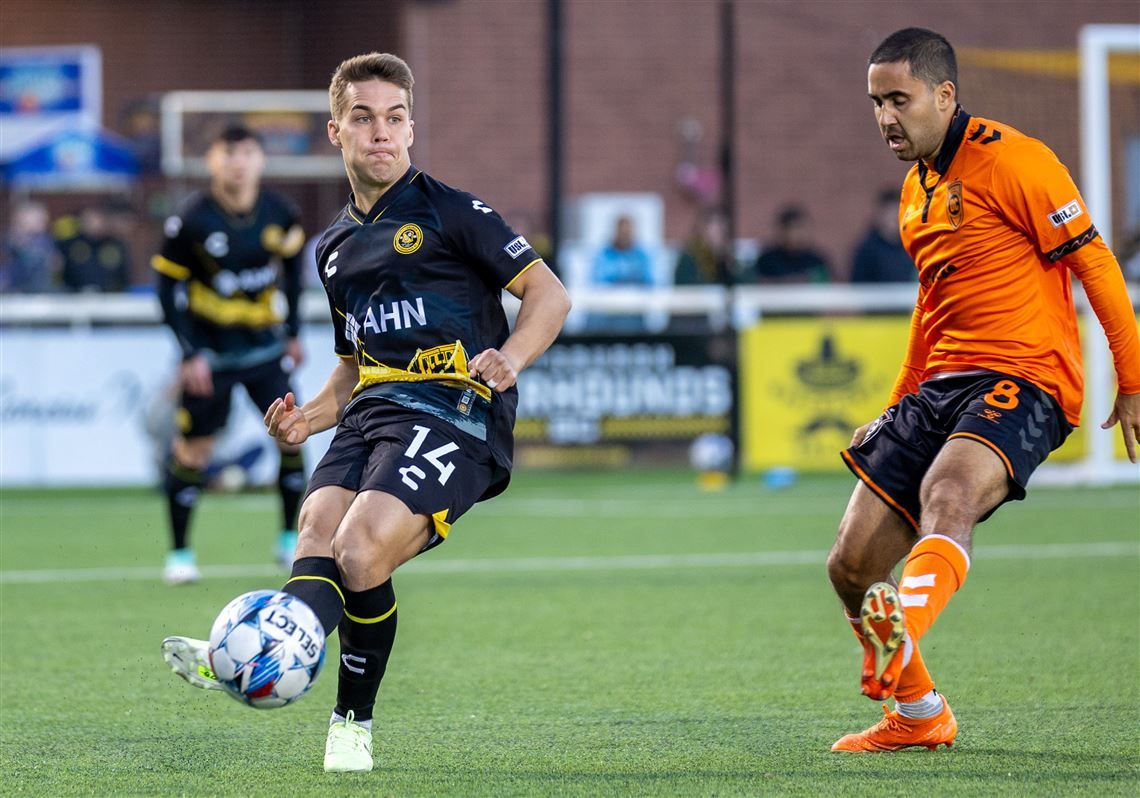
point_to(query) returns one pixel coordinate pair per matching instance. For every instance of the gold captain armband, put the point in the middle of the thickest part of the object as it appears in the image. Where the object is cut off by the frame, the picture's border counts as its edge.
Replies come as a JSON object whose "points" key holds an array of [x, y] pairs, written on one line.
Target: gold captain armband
{"points": [[446, 363]]}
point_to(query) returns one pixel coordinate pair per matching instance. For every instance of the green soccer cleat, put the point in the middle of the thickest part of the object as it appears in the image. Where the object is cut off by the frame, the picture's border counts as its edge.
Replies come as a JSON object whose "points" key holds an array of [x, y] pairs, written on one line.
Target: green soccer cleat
{"points": [[348, 748], [188, 658]]}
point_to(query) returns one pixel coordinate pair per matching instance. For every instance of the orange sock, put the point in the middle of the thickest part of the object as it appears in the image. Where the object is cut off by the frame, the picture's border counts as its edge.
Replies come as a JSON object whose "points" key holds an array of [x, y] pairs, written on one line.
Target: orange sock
{"points": [[914, 681], [935, 569]]}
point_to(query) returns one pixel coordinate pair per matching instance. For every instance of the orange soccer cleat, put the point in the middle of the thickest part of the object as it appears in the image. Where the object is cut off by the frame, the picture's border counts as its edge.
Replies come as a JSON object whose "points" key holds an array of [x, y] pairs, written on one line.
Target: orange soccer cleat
{"points": [[895, 732], [884, 628]]}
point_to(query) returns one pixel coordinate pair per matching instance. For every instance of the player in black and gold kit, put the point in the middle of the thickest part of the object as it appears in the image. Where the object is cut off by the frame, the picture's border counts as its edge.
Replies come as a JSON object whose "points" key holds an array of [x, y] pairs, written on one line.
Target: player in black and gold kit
{"points": [[423, 398], [225, 256]]}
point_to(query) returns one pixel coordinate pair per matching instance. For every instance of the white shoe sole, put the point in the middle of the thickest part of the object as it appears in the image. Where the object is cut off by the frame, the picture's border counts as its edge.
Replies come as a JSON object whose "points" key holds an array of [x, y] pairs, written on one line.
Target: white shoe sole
{"points": [[187, 658]]}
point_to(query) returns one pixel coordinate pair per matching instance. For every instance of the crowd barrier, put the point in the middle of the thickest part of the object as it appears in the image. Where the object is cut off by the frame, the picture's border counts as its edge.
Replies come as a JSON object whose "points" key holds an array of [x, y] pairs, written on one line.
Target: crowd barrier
{"points": [[87, 383]]}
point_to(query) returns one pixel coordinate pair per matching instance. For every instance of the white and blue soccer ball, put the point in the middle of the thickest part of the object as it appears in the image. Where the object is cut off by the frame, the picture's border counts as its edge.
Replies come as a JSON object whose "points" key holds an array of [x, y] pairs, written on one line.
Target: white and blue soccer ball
{"points": [[267, 648]]}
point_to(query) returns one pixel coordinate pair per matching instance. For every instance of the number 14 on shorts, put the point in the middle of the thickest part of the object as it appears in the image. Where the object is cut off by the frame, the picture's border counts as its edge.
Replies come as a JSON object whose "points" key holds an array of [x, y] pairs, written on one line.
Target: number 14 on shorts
{"points": [[412, 474]]}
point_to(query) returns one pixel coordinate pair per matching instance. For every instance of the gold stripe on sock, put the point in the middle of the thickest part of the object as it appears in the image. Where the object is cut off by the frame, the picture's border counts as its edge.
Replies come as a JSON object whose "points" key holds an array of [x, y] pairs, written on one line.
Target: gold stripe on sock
{"points": [[377, 619], [336, 587]]}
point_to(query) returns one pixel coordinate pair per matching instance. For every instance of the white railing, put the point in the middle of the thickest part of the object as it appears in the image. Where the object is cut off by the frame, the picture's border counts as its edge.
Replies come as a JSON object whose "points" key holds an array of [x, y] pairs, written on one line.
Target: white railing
{"points": [[741, 307]]}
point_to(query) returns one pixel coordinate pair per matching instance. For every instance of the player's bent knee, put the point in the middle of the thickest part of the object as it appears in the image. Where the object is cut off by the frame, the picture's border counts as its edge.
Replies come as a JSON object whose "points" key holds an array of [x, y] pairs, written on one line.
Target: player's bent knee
{"points": [[951, 503], [362, 559], [846, 573], [193, 453]]}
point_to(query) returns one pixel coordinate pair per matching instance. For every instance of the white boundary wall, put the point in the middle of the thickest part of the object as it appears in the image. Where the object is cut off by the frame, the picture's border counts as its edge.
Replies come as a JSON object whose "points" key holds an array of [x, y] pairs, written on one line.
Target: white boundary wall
{"points": [[76, 397]]}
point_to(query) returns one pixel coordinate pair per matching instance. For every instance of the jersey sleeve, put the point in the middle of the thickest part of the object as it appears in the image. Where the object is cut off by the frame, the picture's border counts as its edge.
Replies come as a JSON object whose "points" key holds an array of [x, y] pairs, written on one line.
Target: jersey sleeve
{"points": [[914, 362], [292, 262], [1036, 193], [341, 322], [480, 237], [176, 257]]}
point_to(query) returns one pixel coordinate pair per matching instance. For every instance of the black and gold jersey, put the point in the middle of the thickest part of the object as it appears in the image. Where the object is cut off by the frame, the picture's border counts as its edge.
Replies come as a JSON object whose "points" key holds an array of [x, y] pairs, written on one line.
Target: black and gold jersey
{"points": [[415, 287], [221, 278]]}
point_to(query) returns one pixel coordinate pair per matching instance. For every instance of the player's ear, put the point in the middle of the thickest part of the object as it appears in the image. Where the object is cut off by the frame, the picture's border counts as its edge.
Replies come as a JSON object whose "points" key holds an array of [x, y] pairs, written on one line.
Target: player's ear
{"points": [[947, 94], [333, 131], [411, 131]]}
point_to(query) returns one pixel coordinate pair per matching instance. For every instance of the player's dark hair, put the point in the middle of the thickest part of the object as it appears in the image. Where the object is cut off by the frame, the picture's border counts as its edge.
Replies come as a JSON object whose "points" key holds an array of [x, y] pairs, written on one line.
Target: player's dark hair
{"points": [[370, 66], [929, 54], [232, 134]]}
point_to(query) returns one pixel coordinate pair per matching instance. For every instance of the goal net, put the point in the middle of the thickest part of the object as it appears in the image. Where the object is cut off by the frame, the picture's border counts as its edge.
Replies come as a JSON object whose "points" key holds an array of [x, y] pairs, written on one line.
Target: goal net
{"points": [[291, 124]]}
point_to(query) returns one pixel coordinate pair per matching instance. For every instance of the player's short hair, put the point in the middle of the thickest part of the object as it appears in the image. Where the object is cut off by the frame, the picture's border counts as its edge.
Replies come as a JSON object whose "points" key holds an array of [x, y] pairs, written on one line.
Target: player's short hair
{"points": [[370, 66], [232, 134], [929, 54]]}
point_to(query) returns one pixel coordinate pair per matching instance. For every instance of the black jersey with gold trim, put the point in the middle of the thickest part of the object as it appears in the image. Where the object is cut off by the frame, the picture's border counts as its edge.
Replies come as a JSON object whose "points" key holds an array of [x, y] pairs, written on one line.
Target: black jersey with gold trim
{"points": [[415, 287], [221, 277]]}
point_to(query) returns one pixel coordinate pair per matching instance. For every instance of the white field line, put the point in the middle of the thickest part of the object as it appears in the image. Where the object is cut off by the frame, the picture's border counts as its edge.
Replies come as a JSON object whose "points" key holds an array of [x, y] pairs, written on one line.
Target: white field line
{"points": [[630, 562], [589, 507]]}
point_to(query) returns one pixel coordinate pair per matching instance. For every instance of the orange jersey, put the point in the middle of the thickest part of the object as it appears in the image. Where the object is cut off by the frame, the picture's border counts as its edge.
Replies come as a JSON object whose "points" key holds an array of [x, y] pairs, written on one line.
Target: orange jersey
{"points": [[995, 226]]}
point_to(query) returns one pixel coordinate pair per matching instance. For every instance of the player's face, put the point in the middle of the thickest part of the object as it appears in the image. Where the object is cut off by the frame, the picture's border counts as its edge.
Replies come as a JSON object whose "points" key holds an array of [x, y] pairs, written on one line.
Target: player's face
{"points": [[912, 115], [374, 133], [237, 165]]}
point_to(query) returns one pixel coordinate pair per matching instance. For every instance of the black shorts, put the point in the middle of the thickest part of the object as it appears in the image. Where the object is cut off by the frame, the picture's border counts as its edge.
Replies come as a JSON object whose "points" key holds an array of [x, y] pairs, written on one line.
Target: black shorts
{"points": [[430, 465], [201, 416], [1020, 422]]}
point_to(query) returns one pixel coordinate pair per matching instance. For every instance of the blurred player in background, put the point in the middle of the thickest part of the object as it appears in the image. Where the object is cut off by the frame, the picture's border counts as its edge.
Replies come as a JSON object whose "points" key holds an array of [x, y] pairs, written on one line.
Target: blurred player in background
{"points": [[423, 398], [224, 256], [992, 379]]}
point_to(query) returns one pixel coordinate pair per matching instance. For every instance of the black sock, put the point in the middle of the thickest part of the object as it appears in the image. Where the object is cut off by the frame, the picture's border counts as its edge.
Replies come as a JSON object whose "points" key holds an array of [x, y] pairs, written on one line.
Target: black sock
{"points": [[366, 637], [182, 487], [291, 483], [316, 581]]}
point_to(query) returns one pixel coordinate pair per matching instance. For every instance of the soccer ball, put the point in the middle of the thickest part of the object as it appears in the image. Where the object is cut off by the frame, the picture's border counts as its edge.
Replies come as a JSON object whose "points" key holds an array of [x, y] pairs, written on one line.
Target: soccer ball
{"points": [[266, 648]]}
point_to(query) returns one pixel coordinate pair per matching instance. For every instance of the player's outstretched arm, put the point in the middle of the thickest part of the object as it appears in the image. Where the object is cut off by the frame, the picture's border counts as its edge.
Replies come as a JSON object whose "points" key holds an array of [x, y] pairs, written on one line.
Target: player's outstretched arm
{"points": [[545, 304], [1126, 412], [292, 423]]}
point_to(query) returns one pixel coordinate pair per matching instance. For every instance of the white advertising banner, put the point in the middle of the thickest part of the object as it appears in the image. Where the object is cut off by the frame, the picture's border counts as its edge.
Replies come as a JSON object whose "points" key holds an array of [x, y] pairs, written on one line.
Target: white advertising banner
{"points": [[94, 406]]}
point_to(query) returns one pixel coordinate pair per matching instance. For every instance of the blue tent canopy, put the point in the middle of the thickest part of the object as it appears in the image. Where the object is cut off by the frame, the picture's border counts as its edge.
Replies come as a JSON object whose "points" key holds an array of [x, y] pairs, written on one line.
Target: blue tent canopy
{"points": [[92, 160]]}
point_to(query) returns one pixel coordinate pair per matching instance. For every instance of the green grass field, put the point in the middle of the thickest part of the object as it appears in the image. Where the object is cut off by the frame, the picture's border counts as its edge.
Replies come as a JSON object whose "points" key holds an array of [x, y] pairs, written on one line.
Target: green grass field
{"points": [[581, 635]]}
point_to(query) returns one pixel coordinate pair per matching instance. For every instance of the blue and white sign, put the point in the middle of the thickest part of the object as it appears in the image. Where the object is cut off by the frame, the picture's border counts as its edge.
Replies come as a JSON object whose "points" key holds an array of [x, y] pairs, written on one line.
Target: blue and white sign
{"points": [[48, 90]]}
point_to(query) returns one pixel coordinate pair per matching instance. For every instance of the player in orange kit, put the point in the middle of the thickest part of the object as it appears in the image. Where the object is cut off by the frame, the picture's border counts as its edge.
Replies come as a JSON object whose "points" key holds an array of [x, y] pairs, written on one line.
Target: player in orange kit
{"points": [[992, 378]]}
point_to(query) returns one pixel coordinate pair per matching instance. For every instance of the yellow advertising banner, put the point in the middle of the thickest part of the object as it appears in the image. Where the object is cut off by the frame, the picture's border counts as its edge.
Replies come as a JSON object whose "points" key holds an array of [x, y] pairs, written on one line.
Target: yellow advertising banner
{"points": [[807, 384]]}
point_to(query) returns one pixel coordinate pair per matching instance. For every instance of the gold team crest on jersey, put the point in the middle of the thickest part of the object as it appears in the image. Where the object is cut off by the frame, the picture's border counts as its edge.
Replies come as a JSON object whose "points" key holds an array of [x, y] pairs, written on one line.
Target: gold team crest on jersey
{"points": [[954, 209], [408, 239]]}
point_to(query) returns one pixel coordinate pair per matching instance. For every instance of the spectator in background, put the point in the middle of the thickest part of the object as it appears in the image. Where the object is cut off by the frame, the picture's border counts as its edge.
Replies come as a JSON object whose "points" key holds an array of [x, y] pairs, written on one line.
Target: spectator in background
{"points": [[29, 261], [705, 256], [790, 258], [94, 258], [880, 256], [622, 261]]}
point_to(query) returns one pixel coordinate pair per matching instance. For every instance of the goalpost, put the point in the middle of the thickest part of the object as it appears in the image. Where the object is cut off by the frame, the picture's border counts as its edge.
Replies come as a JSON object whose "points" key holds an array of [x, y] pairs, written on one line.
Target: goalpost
{"points": [[1100, 466]]}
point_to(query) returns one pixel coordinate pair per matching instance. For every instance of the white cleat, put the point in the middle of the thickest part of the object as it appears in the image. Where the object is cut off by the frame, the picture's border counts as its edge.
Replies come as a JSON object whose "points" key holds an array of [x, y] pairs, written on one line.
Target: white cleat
{"points": [[189, 658], [181, 568], [348, 748], [286, 549]]}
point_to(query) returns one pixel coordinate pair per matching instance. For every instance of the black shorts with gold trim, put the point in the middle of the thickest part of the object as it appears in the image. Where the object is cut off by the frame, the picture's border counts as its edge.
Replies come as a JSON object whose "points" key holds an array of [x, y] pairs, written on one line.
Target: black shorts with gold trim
{"points": [[200, 416], [1017, 420], [430, 465]]}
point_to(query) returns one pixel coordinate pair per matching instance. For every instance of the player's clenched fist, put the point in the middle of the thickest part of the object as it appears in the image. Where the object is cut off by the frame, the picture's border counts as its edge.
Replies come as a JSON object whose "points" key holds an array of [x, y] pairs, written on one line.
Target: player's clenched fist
{"points": [[286, 422], [494, 368]]}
